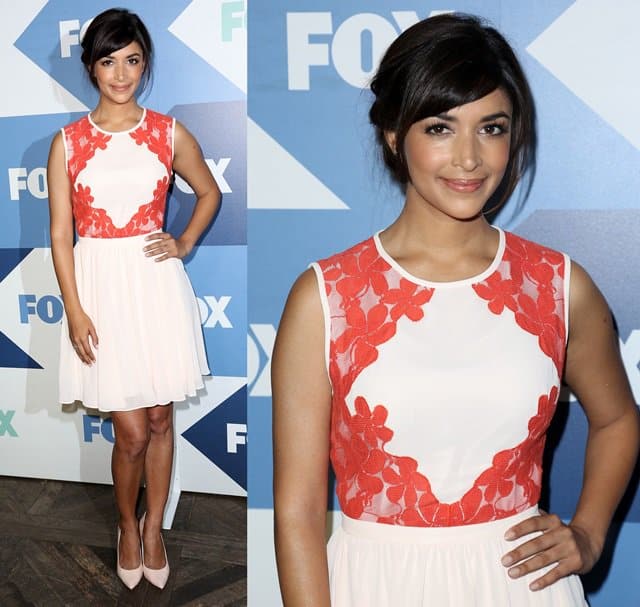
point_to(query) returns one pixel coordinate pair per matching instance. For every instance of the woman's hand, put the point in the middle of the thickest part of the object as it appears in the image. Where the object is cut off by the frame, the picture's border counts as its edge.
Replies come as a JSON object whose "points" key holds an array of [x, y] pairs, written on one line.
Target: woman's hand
{"points": [[567, 546], [164, 246], [80, 330]]}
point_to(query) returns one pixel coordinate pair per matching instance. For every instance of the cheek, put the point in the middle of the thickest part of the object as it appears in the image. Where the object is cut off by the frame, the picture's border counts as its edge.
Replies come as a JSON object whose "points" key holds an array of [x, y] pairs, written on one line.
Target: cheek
{"points": [[138, 68], [498, 155], [425, 156]]}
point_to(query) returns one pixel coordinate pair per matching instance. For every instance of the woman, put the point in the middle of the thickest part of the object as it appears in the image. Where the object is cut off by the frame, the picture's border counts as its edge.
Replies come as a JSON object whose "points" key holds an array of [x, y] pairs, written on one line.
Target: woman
{"points": [[124, 286], [425, 363]]}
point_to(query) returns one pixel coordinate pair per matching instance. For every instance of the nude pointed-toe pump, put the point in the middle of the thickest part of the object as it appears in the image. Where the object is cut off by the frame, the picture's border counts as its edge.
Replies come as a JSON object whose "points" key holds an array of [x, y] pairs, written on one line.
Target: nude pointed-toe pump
{"points": [[157, 577], [130, 577]]}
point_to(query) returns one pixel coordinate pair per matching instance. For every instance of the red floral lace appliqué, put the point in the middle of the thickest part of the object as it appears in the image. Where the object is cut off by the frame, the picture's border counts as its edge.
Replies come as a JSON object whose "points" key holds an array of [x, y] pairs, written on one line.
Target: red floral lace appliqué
{"points": [[366, 299], [156, 133], [82, 141], [530, 283], [96, 223]]}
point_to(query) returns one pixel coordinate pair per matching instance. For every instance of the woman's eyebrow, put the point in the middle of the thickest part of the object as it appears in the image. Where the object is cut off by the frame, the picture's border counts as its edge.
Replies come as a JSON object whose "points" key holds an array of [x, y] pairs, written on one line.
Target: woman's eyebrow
{"points": [[136, 54], [449, 118]]}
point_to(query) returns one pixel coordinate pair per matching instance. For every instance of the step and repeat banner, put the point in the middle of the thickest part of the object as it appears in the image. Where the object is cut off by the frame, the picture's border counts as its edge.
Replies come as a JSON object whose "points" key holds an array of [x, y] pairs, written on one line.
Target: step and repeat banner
{"points": [[200, 78], [315, 187]]}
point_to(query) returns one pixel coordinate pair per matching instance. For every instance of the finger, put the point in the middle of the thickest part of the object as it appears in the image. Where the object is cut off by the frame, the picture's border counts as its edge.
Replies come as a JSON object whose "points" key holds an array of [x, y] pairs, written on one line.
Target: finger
{"points": [[556, 546], [531, 525], [79, 349], [164, 257], [538, 561], [155, 248], [552, 576], [529, 549], [94, 336], [157, 236], [535, 563], [87, 350], [156, 239]]}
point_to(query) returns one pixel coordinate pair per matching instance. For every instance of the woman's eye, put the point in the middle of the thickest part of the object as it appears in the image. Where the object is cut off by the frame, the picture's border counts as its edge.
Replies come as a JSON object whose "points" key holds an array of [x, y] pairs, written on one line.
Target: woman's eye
{"points": [[494, 129], [134, 61], [437, 129], [106, 62]]}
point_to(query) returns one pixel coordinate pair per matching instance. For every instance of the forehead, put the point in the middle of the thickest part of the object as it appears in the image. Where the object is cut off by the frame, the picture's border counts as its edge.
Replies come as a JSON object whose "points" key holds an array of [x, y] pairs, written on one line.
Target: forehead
{"points": [[495, 102]]}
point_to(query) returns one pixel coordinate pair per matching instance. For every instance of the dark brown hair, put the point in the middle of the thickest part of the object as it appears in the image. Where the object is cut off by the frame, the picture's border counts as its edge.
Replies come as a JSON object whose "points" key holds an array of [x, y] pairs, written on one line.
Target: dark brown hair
{"points": [[112, 30], [441, 63]]}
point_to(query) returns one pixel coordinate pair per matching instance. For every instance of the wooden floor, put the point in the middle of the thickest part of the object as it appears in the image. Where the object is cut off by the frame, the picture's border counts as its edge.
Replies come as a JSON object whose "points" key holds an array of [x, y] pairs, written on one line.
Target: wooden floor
{"points": [[57, 548]]}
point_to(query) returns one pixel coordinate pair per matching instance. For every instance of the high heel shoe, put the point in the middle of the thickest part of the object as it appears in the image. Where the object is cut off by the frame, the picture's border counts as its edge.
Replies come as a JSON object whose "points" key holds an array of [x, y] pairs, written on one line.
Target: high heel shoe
{"points": [[157, 577], [130, 577]]}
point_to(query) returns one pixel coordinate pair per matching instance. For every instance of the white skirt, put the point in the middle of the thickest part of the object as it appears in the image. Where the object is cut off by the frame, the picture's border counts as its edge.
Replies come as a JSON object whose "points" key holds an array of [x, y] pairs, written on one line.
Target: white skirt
{"points": [[151, 350], [379, 565]]}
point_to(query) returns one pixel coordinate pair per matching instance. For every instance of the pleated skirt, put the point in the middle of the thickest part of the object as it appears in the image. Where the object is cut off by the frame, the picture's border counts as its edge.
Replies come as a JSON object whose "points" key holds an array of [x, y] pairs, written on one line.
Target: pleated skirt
{"points": [[151, 350], [379, 565]]}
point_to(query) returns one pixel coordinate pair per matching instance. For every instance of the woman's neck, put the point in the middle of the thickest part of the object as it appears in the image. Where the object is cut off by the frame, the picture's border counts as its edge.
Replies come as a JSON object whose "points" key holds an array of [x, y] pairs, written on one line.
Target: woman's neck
{"points": [[424, 226], [116, 116], [434, 246]]}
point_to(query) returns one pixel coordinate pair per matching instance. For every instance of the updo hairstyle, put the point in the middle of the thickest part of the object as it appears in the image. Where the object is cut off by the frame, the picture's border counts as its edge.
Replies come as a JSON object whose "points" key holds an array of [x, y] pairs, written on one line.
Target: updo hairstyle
{"points": [[442, 63], [112, 30]]}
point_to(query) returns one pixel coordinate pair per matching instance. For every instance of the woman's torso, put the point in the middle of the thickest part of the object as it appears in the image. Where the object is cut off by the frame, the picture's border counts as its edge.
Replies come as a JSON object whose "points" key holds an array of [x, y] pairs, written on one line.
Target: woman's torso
{"points": [[442, 392], [119, 180]]}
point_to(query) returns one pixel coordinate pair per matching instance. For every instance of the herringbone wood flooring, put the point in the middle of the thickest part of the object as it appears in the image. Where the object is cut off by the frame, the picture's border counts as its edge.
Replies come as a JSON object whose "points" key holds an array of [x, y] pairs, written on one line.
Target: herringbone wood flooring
{"points": [[57, 548]]}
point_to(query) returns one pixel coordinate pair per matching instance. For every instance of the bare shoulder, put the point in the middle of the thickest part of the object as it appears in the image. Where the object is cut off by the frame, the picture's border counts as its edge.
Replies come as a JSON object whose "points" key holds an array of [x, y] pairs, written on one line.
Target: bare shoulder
{"points": [[183, 135], [56, 167], [57, 146], [586, 302], [304, 295], [301, 330], [302, 320]]}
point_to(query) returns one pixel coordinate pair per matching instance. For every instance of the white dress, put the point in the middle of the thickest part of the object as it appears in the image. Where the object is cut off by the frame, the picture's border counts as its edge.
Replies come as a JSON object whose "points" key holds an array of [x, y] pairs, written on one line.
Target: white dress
{"points": [[151, 350], [441, 397]]}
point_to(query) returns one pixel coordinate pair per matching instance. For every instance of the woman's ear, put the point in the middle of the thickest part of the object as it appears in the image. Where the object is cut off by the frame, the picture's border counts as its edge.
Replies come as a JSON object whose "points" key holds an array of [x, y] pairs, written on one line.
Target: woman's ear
{"points": [[390, 138]]}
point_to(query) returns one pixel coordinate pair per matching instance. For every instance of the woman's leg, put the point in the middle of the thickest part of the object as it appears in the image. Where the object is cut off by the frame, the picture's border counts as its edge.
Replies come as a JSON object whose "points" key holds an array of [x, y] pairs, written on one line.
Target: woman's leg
{"points": [[157, 471], [127, 465]]}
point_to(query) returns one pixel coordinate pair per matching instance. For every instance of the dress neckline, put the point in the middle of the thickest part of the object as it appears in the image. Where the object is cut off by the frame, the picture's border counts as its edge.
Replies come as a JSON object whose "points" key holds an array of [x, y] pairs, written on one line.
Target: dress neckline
{"points": [[444, 284], [133, 128]]}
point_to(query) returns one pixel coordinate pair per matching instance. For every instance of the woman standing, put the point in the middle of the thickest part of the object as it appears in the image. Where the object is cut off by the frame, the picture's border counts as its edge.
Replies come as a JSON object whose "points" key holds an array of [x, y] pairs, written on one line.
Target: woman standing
{"points": [[426, 362], [132, 341]]}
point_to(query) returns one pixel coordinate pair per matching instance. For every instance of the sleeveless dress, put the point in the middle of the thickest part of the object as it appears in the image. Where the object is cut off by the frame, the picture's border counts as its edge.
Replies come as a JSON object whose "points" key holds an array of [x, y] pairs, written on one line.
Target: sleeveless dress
{"points": [[441, 397], [151, 350]]}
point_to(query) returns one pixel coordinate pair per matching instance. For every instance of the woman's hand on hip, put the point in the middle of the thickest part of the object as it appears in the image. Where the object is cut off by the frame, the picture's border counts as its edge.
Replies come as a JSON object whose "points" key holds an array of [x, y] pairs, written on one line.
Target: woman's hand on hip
{"points": [[568, 547], [164, 246], [83, 335]]}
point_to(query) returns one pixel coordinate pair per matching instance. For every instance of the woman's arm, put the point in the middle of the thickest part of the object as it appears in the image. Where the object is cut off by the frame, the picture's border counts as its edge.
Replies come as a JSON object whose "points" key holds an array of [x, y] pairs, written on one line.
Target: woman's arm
{"points": [[190, 165], [301, 416], [595, 373], [61, 229]]}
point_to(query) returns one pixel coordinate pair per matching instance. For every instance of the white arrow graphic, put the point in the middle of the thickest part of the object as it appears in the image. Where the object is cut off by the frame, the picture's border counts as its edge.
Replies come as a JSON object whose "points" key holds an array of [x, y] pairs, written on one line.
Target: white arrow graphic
{"points": [[27, 89], [593, 48], [216, 31], [277, 180]]}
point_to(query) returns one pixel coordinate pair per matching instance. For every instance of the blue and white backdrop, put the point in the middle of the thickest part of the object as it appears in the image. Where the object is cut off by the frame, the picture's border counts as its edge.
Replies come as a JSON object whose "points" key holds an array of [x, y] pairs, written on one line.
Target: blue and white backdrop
{"points": [[200, 78], [315, 188]]}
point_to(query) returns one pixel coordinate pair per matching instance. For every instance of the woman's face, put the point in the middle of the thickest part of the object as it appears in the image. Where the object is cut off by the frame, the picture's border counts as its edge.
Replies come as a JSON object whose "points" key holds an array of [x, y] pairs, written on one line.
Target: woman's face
{"points": [[118, 74], [457, 159]]}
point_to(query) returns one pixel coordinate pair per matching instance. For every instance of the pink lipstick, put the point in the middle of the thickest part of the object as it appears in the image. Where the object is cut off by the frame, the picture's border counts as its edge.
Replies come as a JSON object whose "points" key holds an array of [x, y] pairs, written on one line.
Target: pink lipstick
{"points": [[463, 185]]}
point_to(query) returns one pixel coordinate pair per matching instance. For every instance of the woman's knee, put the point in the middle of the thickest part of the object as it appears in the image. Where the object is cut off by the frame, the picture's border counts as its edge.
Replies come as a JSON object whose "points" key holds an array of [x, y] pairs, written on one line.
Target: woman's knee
{"points": [[160, 420], [133, 443], [132, 434]]}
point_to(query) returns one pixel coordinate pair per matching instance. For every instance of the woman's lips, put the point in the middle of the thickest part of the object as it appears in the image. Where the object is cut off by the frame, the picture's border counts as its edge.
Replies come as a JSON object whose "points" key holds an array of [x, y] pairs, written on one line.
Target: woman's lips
{"points": [[463, 185]]}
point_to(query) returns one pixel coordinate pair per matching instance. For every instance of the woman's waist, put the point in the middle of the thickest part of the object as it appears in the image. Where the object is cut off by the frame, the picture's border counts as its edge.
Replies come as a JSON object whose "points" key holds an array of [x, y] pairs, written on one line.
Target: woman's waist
{"points": [[134, 241], [479, 532]]}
